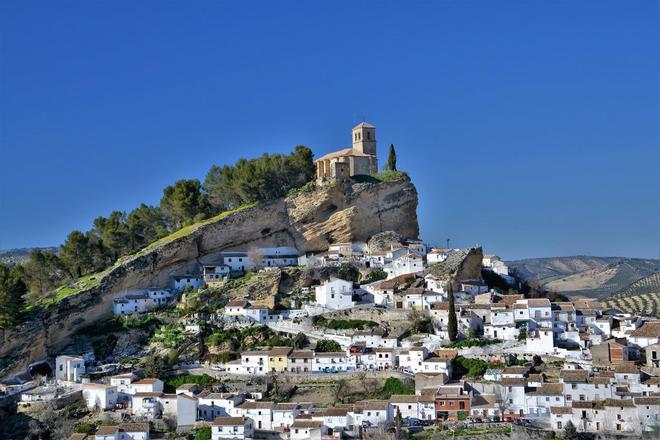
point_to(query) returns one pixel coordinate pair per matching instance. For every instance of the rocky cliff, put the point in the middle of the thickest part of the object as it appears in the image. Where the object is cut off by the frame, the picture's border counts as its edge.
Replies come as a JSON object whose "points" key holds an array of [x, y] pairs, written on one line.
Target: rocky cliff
{"points": [[310, 221]]}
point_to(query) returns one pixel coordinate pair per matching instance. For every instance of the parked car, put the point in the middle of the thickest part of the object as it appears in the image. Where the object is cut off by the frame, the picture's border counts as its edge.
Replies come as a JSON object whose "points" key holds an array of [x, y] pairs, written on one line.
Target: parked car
{"points": [[408, 372]]}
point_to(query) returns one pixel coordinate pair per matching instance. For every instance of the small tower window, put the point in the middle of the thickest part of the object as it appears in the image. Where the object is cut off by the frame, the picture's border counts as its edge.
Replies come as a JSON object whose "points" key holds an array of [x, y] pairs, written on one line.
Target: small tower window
{"points": [[369, 135]]}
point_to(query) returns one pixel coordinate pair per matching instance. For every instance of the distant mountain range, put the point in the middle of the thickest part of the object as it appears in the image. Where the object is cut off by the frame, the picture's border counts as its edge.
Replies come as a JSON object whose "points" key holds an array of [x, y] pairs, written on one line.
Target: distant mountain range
{"points": [[596, 277], [20, 255]]}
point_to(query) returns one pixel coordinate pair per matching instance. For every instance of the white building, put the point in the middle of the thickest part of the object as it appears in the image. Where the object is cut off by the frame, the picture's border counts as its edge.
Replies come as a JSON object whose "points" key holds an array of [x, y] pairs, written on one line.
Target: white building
{"points": [[213, 405], [260, 412], [232, 428], [420, 299], [332, 362], [437, 255], [99, 396], [69, 368], [412, 359], [237, 261], [214, 274], [284, 414], [435, 284], [255, 362], [335, 294], [147, 385], [404, 264], [186, 282], [307, 429]]}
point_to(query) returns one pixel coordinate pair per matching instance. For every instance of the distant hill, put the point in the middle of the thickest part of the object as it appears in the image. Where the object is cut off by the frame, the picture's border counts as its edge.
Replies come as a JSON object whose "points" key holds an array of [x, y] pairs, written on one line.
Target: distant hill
{"points": [[20, 255], [596, 277], [641, 297]]}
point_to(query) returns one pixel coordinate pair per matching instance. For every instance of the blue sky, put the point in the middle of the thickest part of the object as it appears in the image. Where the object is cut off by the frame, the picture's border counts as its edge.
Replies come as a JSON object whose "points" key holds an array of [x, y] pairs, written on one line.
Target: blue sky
{"points": [[530, 127]]}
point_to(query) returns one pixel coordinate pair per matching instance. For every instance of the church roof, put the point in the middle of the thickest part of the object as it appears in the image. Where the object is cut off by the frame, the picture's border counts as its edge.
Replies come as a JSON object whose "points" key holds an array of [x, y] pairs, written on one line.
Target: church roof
{"points": [[342, 153], [363, 124]]}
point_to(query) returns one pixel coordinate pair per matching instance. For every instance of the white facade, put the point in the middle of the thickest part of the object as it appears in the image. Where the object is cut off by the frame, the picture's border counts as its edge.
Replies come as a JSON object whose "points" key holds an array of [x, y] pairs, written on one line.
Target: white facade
{"points": [[405, 264], [99, 396], [69, 368], [186, 282], [255, 362], [232, 428], [335, 294]]}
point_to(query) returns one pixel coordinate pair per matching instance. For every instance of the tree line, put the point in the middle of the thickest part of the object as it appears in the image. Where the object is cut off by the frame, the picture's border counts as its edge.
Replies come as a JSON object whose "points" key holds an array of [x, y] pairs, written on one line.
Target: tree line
{"points": [[183, 203]]}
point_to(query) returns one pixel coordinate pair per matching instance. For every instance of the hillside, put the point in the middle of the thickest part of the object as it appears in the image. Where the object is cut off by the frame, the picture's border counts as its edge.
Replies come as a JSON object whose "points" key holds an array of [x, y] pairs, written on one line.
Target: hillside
{"points": [[641, 297], [20, 255], [308, 220], [584, 275]]}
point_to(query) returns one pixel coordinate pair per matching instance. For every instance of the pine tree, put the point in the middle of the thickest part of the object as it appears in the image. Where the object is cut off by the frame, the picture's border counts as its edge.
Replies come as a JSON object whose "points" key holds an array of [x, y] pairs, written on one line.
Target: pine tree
{"points": [[391, 159], [452, 325], [570, 432], [398, 424]]}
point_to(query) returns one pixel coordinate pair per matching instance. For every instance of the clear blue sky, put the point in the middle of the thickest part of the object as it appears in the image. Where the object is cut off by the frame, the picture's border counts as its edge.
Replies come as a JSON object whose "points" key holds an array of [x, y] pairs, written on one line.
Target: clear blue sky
{"points": [[530, 127]]}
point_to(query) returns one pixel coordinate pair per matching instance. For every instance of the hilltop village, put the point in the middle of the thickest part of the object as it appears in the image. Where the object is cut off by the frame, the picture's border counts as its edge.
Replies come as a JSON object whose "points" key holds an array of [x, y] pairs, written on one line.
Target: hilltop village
{"points": [[387, 338]]}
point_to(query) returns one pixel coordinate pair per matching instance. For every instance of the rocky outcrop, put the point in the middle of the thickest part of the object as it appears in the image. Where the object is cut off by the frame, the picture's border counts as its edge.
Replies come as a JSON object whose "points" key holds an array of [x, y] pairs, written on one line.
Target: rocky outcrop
{"points": [[310, 221], [460, 265]]}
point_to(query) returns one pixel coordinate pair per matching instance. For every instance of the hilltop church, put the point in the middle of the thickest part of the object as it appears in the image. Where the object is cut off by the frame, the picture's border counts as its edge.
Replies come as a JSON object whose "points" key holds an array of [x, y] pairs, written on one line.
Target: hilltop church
{"points": [[359, 160]]}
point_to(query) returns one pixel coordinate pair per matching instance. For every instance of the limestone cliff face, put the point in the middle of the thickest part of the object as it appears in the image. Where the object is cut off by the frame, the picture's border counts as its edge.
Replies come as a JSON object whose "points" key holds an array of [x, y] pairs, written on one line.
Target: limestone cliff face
{"points": [[309, 221]]}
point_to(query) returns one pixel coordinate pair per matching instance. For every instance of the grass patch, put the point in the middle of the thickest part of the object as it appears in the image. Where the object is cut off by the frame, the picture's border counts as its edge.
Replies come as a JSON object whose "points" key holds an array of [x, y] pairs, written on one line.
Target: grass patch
{"points": [[204, 381], [345, 324], [394, 386], [473, 342], [186, 230], [385, 176]]}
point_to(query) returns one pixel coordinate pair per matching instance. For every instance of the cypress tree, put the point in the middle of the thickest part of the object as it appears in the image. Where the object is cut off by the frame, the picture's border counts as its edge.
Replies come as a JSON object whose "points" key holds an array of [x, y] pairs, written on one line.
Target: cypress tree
{"points": [[452, 325], [391, 159]]}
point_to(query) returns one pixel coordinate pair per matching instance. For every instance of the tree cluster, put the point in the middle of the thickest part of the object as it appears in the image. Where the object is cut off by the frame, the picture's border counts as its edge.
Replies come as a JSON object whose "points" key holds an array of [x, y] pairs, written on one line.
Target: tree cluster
{"points": [[267, 177], [12, 295], [183, 203]]}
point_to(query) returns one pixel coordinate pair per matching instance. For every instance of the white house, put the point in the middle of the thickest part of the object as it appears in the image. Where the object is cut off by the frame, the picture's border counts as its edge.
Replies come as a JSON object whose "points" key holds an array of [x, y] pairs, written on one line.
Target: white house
{"points": [[213, 405], [255, 362], [284, 414], [186, 282], [332, 362], [437, 255], [159, 297], [215, 273], [236, 307], [376, 412], [413, 358], [474, 287], [257, 313], [307, 429], [260, 412], [404, 264], [147, 385], [647, 334], [279, 256], [69, 368], [435, 284], [132, 303], [232, 428], [99, 396], [420, 299], [237, 261], [335, 294], [124, 431]]}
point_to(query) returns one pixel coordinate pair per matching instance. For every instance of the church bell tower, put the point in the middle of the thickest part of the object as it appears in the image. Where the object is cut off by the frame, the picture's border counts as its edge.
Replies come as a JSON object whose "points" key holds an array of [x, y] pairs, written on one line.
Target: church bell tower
{"points": [[364, 138]]}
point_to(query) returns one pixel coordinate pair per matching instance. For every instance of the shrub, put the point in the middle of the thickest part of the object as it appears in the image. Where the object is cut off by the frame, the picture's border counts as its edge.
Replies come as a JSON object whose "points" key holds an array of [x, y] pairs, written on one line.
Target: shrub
{"points": [[345, 324], [326, 345]]}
